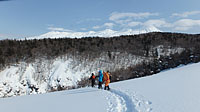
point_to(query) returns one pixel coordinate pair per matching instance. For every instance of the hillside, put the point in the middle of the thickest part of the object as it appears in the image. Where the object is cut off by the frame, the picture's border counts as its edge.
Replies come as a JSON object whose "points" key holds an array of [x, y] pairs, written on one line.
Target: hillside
{"points": [[46, 65], [174, 90]]}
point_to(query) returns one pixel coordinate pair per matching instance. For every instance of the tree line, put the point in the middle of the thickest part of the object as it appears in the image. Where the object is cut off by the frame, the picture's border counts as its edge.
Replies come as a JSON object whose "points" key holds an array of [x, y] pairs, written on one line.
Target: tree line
{"points": [[15, 51]]}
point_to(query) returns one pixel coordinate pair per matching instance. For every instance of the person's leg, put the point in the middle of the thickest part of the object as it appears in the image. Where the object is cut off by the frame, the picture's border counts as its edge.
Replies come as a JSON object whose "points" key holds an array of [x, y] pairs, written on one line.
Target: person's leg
{"points": [[108, 87], [92, 83], [99, 85], [107, 84]]}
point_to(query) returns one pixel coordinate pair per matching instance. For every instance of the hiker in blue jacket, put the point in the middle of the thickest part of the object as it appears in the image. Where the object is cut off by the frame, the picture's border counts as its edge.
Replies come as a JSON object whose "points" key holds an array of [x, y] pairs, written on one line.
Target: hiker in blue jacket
{"points": [[100, 79]]}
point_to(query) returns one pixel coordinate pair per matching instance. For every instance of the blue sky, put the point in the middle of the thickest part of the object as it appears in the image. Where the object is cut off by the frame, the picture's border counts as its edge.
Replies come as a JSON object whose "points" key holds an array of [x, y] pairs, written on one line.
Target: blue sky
{"points": [[25, 18]]}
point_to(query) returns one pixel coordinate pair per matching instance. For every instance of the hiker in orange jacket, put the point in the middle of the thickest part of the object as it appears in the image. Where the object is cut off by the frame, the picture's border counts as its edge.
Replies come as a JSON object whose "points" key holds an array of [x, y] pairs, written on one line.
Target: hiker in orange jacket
{"points": [[92, 78], [106, 78]]}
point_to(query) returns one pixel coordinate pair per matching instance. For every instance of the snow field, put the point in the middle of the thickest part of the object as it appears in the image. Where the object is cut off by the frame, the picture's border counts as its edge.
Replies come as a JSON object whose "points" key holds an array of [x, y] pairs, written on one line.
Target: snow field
{"points": [[174, 90], [125, 101]]}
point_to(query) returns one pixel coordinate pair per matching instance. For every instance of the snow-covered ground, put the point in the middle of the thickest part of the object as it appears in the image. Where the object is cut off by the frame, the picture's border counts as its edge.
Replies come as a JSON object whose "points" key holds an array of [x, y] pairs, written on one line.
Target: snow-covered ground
{"points": [[175, 90], [45, 75], [65, 71]]}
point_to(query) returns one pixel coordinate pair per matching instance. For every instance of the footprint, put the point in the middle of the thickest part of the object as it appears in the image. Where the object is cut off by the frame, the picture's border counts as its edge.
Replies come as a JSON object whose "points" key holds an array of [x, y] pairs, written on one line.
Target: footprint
{"points": [[149, 109], [148, 102]]}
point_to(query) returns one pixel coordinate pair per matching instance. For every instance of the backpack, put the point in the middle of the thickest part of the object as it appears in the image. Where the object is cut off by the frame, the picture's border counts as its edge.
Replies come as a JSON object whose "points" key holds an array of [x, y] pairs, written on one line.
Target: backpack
{"points": [[106, 76], [93, 77]]}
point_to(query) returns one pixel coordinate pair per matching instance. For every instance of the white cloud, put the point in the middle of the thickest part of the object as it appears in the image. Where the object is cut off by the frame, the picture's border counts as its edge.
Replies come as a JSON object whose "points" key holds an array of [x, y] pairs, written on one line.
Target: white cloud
{"points": [[116, 16], [149, 24], [126, 22], [152, 23], [157, 23], [105, 25], [109, 25], [133, 24], [186, 24], [83, 29], [96, 27], [186, 14], [180, 25], [57, 29]]}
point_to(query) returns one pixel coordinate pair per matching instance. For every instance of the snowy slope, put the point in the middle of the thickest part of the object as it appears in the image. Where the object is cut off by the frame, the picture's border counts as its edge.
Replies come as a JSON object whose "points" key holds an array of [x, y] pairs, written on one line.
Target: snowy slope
{"points": [[65, 71], [44, 75], [175, 90]]}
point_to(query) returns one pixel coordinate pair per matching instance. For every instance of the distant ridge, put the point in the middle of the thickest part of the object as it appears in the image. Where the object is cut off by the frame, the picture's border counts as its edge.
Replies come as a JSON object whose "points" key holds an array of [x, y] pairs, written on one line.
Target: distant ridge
{"points": [[103, 33]]}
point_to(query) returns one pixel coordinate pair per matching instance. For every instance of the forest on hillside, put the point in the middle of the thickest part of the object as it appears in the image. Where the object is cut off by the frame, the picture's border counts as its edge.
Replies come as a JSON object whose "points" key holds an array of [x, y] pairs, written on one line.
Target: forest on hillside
{"points": [[158, 51], [14, 51]]}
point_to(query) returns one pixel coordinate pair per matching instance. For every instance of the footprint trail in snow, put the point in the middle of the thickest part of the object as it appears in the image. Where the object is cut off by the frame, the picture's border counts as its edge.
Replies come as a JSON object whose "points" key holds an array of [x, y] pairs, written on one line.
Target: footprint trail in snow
{"points": [[120, 101]]}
